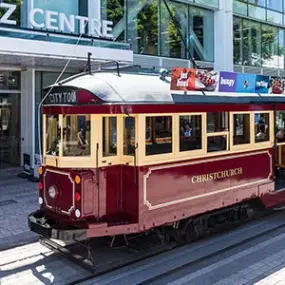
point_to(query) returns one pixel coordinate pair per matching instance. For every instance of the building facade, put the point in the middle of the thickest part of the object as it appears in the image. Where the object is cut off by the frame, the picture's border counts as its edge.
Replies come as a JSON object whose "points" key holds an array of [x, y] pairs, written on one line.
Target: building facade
{"points": [[39, 37]]}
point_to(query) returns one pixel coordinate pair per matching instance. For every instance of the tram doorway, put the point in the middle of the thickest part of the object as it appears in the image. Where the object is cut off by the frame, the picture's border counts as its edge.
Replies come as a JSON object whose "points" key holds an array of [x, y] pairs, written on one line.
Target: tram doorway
{"points": [[280, 167], [279, 150], [10, 130]]}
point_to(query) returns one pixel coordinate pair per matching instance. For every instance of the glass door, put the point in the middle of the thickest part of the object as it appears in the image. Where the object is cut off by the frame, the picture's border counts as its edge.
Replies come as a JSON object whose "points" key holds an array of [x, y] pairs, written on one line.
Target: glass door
{"points": [[9, 130]]}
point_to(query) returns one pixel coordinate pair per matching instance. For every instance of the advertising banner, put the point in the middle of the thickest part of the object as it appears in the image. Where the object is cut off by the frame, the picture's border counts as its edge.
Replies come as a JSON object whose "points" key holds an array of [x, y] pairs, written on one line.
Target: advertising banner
{"points": [[228, 82], [276, 85], [246, 83], [189, 79], [262, 84]]}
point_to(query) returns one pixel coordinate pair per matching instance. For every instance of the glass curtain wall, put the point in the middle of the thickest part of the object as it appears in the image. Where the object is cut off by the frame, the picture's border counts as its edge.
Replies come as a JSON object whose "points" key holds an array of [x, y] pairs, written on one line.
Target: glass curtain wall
{"points": [[267, 10], [258, 44], [148, 27]]}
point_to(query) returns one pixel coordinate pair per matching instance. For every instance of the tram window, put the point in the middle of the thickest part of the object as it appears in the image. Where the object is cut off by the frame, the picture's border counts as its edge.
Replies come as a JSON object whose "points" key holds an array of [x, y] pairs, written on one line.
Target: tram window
{"points": [[280, 126], [261, 127], [109, 136], [241, 129], [52, 135], [217, 122], [190, 134], [216, 143], [129, 136], [158, 135], [76, 135]]}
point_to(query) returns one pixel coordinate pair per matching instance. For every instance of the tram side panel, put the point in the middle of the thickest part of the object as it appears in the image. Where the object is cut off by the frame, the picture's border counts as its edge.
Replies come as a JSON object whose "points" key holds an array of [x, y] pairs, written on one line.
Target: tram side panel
{"points": [[174, 192]]}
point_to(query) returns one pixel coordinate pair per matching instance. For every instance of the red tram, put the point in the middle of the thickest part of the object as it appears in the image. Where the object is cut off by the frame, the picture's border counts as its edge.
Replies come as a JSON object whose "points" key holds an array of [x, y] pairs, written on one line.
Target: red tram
{"points": [[123, 154]]}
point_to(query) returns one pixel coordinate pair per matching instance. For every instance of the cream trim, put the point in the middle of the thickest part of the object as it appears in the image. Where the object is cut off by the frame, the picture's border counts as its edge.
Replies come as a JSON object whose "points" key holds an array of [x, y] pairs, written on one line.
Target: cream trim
{"points": [[162, 205], [73, 190]]}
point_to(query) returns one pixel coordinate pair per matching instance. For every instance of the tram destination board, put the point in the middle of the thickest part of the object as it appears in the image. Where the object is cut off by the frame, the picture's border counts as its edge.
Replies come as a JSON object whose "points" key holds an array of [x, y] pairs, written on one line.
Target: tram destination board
{"points": [[62, 96]]}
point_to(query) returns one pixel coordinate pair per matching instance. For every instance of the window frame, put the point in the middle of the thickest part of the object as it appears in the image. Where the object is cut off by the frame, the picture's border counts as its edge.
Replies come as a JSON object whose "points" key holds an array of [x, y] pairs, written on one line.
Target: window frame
{"points": [[189, 153], [274, 135], [217, 134], [271, 129], [109, 160], [246, 146], [143, 158], [130, 159], [70, 161]]}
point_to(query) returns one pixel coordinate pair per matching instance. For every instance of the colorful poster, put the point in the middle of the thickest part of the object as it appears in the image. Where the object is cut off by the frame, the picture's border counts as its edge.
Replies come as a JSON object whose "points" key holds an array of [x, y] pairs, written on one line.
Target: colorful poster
{"points": [[276, 85], [189, 79], [262, 84], [228, 82], [246, 83]]}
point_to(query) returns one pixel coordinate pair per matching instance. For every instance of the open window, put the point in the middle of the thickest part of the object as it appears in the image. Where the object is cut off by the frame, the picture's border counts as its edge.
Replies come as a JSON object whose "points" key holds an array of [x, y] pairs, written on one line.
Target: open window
{"points": [[261, 127]]}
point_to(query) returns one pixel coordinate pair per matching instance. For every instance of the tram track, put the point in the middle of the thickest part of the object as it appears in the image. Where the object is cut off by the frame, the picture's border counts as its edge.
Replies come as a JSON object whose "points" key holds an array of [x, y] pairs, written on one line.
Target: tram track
{"points": [[149, 255]]}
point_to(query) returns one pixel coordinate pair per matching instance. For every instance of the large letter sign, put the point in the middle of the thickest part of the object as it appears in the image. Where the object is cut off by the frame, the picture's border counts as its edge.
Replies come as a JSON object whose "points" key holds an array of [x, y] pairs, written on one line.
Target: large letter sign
{"points": [[10, 9], [57, 21]]}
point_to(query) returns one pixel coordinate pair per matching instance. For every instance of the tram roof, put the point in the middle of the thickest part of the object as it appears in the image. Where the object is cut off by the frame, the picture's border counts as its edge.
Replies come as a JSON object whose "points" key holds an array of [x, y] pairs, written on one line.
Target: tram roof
{"points": [[150, 88]]}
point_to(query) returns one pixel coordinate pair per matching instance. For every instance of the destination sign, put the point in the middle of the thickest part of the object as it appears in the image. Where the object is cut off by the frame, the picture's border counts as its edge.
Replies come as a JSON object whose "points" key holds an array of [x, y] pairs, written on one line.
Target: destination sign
{"points": [[62, 98]]}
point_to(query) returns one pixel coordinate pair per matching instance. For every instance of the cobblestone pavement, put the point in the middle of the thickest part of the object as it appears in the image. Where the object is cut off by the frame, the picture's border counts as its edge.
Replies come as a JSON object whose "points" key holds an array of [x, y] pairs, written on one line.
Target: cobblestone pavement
{"points": [[18, 198]]}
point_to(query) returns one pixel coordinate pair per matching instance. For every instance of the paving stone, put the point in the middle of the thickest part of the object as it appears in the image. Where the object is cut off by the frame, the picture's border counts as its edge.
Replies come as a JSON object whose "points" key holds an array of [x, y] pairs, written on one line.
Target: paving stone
{"points": [[18, 198]]}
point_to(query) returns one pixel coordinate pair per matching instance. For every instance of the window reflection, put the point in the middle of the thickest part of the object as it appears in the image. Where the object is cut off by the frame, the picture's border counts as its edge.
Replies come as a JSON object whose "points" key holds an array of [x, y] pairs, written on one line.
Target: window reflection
{"points": [[190, 132], [129, 136], [109, 136], [142, 26], [270, 46], [76, 135], [280, 126], [52, 135], [171, 43], [217, 122], [237, 40], [241, 129], [261, 127], [158, 135], [251, 43]]}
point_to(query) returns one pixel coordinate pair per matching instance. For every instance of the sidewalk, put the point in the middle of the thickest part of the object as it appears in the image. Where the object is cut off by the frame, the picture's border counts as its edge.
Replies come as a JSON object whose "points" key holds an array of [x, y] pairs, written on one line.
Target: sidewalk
{"points": [[18, 198]]}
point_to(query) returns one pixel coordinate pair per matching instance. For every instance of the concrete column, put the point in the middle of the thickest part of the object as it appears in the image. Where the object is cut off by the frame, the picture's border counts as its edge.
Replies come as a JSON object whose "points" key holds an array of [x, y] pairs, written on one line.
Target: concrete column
{"points": [[224, 36], [28, 114]]}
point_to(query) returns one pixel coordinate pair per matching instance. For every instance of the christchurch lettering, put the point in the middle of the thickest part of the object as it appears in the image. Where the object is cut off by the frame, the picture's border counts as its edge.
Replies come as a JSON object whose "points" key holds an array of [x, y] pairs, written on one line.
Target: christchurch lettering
{"points": [[228, 82], [60, 22], [217, 175]]}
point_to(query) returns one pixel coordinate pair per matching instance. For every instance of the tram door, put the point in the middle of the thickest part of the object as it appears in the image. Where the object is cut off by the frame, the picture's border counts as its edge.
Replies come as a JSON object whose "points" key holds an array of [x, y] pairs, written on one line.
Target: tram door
{"points": [[280, 150]]}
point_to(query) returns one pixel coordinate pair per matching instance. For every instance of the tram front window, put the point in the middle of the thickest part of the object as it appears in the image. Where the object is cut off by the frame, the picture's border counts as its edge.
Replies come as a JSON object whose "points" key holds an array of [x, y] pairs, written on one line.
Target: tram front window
{"points": [[109, 136], [52, 135], [129, 136], [76, 135]]}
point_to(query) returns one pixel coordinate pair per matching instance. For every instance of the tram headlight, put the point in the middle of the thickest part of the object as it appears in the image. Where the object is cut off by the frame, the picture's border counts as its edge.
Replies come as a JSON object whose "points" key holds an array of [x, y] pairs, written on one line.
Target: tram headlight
{"points": [[41, 200], [52, 192], [77, 213]]}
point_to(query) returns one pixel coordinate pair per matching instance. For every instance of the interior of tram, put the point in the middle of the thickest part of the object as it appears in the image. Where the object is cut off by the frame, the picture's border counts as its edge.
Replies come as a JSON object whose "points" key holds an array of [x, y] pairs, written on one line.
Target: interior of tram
{"points": [[158, 138]]}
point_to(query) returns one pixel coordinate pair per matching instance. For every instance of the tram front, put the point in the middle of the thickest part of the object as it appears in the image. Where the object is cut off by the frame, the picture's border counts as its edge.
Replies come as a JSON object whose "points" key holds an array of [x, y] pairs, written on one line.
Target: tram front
{"points": [[67, 188]]}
